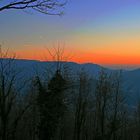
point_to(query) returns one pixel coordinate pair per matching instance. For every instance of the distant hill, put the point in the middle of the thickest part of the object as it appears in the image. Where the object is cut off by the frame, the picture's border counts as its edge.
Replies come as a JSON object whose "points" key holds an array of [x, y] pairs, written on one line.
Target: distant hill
{"points": [[30, 68]]}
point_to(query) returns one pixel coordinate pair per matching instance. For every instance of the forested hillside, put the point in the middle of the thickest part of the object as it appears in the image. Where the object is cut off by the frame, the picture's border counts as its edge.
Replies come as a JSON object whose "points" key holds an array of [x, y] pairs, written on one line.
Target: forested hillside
{"points": [[67, 101]]}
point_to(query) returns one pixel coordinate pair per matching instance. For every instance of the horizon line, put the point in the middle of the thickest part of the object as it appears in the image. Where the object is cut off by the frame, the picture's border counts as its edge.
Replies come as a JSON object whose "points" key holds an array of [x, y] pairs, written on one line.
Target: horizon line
{"points": [[128, 66]]}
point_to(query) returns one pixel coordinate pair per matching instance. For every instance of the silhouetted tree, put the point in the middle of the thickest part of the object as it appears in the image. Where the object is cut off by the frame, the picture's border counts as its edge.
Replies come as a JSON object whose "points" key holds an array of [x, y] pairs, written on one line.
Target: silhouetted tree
{"points": [[137, 120], [9, 96], [80, 115], [102, 98], [51, 106], [116, 105]]}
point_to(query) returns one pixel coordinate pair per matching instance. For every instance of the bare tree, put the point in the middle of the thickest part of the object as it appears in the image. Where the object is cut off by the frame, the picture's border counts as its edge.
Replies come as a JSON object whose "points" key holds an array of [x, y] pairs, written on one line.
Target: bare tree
{"points": [[50, 7], [116, 106], [58, 54], [109, 106], [102, 94], [7, 93], [81, 106], [137, 120], [10, 113]]}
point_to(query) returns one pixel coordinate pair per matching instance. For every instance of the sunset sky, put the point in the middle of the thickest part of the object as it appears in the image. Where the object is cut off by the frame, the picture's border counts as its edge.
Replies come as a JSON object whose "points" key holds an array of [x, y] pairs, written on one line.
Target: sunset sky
{"points": [[97, 31]]}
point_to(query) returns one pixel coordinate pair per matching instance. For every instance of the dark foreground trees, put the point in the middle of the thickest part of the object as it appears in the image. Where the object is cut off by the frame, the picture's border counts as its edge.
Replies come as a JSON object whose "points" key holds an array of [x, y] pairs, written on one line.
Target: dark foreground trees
{"points": [[81, 106], [12, 103], [64, 107]]}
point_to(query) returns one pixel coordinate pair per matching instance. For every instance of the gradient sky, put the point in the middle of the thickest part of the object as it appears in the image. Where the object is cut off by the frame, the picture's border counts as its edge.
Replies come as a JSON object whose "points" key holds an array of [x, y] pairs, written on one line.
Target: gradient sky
{"points": [[97, 31]]}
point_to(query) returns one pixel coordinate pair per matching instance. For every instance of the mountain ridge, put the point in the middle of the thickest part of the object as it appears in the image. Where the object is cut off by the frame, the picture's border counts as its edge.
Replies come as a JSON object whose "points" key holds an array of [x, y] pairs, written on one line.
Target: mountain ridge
{"points": [[131, 78]]}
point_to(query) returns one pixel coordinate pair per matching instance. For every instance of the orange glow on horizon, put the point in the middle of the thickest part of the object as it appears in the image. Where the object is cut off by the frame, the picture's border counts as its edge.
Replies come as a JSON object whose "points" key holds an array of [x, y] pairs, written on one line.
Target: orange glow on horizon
{"points": [[83, 57], [118, 51]]}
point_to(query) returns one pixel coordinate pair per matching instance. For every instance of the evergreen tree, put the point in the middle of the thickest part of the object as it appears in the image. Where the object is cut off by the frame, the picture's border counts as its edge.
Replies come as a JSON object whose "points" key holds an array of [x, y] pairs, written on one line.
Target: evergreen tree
{"points": [[51, 105]]}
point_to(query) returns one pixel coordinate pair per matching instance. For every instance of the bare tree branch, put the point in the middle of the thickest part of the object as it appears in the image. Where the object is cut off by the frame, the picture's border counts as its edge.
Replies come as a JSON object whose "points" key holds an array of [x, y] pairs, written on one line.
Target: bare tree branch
{"points": [[49, 7]]}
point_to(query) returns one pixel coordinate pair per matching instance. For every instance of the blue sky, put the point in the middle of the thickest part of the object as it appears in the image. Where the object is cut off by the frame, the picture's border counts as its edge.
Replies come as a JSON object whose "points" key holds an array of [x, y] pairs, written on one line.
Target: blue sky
{"points": [[84, 27]]}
